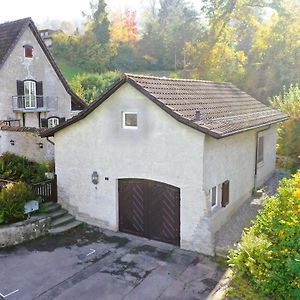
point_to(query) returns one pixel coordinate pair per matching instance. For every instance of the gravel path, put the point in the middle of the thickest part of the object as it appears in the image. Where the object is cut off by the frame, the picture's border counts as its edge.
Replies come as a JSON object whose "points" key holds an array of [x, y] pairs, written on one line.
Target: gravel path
{"points": [[231, 232]]}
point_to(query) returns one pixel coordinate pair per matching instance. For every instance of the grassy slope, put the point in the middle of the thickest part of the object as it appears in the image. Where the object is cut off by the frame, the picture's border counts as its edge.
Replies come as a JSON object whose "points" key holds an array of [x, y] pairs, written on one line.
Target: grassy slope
{"points": [[69, 72]]}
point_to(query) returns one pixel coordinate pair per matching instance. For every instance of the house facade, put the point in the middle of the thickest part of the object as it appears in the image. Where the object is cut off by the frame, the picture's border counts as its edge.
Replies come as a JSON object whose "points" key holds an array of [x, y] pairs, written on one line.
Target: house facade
{"points": [[166, 159], [33, 92]]}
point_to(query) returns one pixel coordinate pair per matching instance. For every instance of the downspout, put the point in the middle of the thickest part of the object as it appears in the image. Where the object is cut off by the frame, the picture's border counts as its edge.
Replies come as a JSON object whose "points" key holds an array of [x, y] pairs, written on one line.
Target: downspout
{"points": [[256, 149], [47, 138]]}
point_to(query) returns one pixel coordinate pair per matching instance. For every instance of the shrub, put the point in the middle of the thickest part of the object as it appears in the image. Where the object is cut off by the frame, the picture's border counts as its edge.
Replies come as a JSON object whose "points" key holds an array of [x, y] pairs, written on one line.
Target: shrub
{"points": [[12, 200], [289, 132], [268, 254], [90, 85], [19, 168]]}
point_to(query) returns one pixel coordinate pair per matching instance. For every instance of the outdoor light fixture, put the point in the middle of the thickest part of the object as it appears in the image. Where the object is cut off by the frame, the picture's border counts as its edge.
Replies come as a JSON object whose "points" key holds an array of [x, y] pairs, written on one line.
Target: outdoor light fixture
{"points": [[95, 177], [12, 142], [41, 145]]}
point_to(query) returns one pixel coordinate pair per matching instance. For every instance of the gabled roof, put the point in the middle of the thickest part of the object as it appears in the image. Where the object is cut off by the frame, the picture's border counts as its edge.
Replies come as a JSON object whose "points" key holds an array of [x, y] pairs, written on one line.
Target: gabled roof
{"points": [[11, 32], [216, 109]]}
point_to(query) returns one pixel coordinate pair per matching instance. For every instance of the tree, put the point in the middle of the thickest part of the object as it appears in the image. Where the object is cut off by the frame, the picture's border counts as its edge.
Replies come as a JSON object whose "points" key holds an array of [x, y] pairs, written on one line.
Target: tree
{"points": [[98, 22], [167, 30], [124, 28]]}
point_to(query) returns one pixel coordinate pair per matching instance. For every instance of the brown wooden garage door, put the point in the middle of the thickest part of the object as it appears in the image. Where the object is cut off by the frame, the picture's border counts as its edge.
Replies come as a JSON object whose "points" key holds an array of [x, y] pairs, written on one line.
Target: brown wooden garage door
{"points": [[150, 209]]}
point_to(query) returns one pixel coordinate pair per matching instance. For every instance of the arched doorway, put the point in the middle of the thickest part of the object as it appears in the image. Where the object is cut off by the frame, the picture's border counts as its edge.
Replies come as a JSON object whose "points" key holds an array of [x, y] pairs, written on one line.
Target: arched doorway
{"points": [[150, 209]]}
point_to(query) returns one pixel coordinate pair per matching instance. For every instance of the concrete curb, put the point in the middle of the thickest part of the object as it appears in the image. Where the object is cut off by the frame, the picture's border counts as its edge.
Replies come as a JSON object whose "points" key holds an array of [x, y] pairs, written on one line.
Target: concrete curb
{"points": [[219, 292]]}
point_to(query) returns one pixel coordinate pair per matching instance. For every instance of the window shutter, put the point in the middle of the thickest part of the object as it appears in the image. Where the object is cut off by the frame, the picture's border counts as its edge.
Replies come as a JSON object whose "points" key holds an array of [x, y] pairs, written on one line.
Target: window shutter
{"points": [[62, 120], [20, 92], [39, 88], [44, 122], [20, 88], [225, 193], [39, 93]]}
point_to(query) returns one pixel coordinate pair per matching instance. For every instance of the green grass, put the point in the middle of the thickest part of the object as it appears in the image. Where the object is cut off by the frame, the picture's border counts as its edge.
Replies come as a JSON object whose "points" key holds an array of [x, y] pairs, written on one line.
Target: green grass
{"points": [[69, 72]]}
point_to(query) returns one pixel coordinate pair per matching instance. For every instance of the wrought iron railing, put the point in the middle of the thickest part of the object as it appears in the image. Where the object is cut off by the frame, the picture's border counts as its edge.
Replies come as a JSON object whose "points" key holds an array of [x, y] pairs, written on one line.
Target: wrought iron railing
{"points": [[33, 103]]}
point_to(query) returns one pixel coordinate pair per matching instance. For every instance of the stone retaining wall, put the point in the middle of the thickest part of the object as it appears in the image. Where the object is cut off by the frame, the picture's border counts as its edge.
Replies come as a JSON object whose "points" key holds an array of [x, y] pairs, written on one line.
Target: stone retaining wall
{"points": [[23, 231]]}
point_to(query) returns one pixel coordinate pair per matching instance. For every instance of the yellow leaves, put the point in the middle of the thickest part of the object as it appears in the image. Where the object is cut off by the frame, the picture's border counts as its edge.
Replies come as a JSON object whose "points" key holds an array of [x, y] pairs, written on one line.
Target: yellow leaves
{"points": [[297, 194], [123, 28]]}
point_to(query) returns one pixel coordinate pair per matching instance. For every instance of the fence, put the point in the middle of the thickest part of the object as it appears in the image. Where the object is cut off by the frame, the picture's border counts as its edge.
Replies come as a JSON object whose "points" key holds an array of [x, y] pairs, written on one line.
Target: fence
{"points": [[47, 190]]}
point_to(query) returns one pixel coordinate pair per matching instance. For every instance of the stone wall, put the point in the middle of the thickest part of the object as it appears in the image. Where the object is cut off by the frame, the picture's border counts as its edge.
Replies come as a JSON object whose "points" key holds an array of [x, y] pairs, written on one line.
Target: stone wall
{"points": [[20, 232]]}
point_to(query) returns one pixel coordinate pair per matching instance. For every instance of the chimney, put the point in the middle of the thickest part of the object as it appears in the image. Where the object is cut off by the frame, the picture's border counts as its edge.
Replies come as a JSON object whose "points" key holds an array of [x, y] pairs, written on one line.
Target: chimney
{"points": [[198, 115]]}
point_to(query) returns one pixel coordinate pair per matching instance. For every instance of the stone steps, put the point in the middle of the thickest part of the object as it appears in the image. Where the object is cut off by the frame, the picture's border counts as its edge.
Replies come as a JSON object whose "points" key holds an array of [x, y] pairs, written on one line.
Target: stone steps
{"points": [[63, 228], [66, 218], [61, 220]]}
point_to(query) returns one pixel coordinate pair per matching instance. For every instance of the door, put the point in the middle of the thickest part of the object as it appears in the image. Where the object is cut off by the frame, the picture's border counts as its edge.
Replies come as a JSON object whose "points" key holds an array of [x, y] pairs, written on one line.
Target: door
{"points": [[150, 209], [30, 94]]}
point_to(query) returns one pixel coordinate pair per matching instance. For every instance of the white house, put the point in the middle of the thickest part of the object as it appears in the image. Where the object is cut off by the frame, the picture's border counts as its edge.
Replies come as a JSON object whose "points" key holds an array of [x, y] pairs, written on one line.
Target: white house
{"points": [[33, 92], [166, 159]]}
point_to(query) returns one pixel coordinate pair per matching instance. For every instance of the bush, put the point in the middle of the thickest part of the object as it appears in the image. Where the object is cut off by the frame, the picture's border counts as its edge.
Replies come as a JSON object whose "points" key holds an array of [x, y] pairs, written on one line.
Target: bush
{"points": [[12, 200], [19, 168], [288, 145], [268, 255], [90, 85]]}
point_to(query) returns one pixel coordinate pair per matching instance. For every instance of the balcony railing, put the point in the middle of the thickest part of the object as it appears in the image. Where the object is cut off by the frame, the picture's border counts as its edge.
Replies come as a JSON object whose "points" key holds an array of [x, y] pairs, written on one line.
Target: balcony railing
{"points": [[33, 103]]}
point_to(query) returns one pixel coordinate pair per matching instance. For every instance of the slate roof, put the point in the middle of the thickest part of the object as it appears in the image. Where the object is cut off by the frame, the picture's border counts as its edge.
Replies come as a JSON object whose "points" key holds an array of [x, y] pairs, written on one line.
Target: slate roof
{"points": [[217, 109], [11, 32]]}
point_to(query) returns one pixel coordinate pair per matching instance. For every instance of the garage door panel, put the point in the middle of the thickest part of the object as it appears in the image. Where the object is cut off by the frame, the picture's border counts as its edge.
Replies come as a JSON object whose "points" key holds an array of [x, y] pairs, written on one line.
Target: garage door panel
{"points": [[132, 208], [150, 209], [164, 210]]}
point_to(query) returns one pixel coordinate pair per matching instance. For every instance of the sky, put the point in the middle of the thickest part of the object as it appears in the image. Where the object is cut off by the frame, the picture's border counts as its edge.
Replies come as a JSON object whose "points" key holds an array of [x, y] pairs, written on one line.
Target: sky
{"points": [[67, 10]]}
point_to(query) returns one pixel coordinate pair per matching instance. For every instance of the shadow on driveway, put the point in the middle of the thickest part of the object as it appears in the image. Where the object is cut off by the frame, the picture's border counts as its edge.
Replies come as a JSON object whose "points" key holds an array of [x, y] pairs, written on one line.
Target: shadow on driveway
{"points": [[90, 263]]}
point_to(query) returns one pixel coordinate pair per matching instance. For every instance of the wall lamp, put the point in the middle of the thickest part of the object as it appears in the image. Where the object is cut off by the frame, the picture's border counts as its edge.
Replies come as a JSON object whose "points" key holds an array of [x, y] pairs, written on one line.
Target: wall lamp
{"points": [[95, 177], [12, 142], [40, 145]]}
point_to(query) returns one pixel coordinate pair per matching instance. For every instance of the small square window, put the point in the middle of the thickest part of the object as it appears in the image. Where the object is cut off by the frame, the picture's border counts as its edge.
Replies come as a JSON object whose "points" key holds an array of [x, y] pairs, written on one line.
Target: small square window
{"points": [[214, 197], [28, 51], [130, 120]]}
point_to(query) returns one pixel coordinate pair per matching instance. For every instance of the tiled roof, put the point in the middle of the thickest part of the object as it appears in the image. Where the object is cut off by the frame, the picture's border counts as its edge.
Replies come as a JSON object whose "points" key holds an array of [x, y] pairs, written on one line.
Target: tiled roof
{"points": [[222, 108], [217, 109], [10, 33]]}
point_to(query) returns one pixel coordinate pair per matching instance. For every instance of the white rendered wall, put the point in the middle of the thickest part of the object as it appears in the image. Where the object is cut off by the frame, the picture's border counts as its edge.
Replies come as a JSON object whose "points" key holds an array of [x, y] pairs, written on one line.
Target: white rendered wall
{"points": [[161, 149]]}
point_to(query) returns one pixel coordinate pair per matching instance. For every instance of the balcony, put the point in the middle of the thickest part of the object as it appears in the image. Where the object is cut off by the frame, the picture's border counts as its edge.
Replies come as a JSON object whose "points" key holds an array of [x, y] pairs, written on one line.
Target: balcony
{"points": [[33, 103]]}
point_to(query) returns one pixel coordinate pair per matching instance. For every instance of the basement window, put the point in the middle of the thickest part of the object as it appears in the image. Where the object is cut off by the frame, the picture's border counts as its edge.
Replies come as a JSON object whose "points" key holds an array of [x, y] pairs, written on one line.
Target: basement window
{"points": [[28, 51], [130, 120]]}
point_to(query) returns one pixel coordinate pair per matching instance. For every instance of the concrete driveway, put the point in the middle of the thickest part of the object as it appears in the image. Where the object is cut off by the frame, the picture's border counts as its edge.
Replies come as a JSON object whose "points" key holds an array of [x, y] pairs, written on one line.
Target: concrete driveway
{"points": [[89, 263]]}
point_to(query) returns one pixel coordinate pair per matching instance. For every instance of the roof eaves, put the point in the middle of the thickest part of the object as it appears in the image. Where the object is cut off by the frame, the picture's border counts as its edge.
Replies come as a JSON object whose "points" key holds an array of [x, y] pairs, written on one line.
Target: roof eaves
{"points": [[222, 135]]}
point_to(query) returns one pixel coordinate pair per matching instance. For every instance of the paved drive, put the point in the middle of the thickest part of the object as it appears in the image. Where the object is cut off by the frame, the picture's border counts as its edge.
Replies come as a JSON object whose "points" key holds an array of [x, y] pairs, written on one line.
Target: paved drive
{"points": [[88, 263]]}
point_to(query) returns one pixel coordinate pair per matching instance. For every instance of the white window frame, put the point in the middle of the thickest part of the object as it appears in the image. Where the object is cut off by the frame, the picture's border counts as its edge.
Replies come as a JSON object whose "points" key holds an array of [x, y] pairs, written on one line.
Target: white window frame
{"points": [[124, 113], [211, 197], [55, 121], [30, 101]]}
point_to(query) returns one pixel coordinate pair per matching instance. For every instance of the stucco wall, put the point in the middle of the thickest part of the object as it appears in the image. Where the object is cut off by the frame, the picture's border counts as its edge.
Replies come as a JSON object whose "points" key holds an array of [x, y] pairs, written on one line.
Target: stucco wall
{"points": [[233, 159], [38, 68], [26, 144], [160, 149]]}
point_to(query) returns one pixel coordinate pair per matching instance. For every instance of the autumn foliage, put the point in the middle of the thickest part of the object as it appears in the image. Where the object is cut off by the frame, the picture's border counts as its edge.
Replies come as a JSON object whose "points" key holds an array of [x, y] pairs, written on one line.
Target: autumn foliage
{"points": [[268, 255]]}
